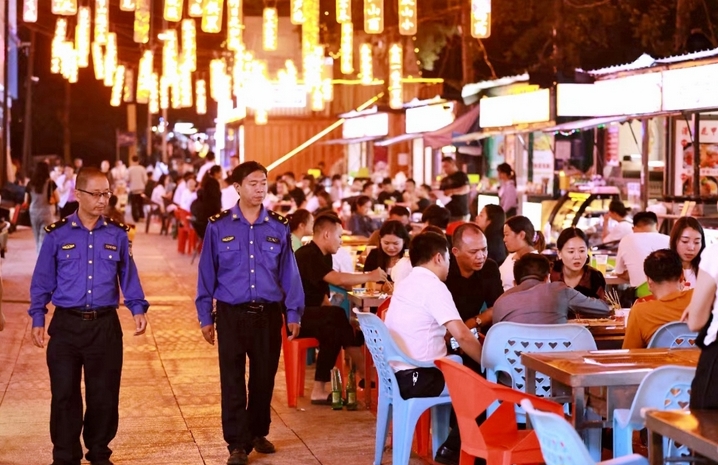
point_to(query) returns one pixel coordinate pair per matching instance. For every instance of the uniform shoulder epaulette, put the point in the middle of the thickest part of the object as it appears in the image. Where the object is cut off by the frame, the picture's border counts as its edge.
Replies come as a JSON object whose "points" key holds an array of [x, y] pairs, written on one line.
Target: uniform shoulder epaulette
{"points": [[56, 225], [219, 215], [278, 217], [118, 224]]}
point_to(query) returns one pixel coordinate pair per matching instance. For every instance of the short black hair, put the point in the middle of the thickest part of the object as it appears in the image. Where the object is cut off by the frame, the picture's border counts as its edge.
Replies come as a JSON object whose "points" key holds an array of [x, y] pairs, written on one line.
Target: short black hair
{"points": [[458, 237], [425, 246], [618, 207], [568, 234], [366, 184], [85, 174], [245, 169], [398, 210], [663, 265], [290, 174], [325, 219], [135, 158], [214, 170], [337, 177], [436, 216], [531, 265], [210, 156], [385, 181], [410, 180], [360, 202], [298, 218], [645, 219], [448, 159]]}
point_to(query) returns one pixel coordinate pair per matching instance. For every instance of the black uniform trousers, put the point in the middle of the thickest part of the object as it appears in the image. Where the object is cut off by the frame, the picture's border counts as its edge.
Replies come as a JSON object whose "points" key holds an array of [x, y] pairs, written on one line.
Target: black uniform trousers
{"points": [[704, 391], [95, 346], [258, 335], [137, 203], [331, 327]]}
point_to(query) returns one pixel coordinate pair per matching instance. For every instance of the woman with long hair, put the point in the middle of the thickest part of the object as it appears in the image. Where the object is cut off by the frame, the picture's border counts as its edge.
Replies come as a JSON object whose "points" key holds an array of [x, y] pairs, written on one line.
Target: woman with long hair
{"points": [[393, 243], [491, 220], [208, 203], [520, 238], [360, 224], [301, 223], [508, 198], [572, 266], [688, 240], [41, 198]]}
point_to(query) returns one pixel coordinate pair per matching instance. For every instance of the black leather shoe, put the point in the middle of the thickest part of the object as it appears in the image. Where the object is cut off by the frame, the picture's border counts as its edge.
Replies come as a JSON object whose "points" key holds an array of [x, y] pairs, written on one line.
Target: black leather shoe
{"points": [[263, 446], [447, 456], [237, 457]]}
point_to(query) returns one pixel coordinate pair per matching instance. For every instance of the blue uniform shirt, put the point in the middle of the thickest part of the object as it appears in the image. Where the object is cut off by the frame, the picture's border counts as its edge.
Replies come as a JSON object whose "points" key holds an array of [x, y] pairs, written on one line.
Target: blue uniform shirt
{"points": [[81, 269], [245, 263]]}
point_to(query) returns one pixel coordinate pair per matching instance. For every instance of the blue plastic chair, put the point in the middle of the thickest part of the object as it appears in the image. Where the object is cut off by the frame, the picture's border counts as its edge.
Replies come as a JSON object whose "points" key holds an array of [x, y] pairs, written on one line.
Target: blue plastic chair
{"points": [[404, 413], [561, 444], [345, 303], [665, 388], [675, 335]]}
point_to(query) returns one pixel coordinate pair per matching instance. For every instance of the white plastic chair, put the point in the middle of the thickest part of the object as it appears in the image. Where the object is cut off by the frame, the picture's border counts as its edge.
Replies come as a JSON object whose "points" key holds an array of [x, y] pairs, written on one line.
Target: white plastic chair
{"points": [[561, 444], [665, 388], [675, 335]]}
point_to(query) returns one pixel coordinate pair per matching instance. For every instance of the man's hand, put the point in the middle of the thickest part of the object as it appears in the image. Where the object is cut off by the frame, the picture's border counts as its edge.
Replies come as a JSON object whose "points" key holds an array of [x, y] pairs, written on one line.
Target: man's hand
{"points": [[208, 333], [140, 324], [377, 275], [38, 336], [294, 329], [684, 317]]}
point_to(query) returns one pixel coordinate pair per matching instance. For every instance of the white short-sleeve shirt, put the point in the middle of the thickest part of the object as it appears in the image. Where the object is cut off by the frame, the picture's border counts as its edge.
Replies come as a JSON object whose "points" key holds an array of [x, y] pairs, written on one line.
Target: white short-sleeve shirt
{"points": [[401, 270], [419, 308], [619, 230], [709, 264], [633, 250]]}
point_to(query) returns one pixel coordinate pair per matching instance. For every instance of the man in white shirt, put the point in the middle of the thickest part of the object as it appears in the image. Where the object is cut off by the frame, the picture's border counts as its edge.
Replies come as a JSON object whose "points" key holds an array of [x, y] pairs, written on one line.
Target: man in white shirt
{"points": [[189, 194], [209, 162], [634, 248], [230, 197], [420, 313], [616, 225]]}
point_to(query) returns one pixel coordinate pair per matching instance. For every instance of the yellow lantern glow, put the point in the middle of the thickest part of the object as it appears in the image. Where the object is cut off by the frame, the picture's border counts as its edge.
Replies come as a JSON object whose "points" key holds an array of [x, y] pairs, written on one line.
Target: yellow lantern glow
{"points": [[270, 29], [142, 21], [234, 25], [396, 95], [344, 11], [82, 37], [164, 93], [116, 96], [144, 77], [154, 99], [327, 79], [195, 8], [129, 91], [102, 21], [68, 62], [366, 65], [169, 55], [296, 15], [57, 45], [98, 61], [189, 44], [480, 18], [310, 30], [373, 16], [201, 96], [217, 69], [212, 16], [64, 7], [238, 75], [127, 5], [176, 94], [407, 17], [29, 11], [261, 116], [316, 99], [346, 48], [173, 10], [185, 85], [110, 58]]}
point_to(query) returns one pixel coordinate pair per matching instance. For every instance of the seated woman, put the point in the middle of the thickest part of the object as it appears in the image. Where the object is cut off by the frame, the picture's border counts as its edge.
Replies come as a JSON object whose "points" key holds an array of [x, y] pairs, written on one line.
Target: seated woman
{"points": [[359, 223], [301, 223], [520, 239], [208, 203], [393, 243], [688, 240], [161, 197], [572, 267], [491, 220]]}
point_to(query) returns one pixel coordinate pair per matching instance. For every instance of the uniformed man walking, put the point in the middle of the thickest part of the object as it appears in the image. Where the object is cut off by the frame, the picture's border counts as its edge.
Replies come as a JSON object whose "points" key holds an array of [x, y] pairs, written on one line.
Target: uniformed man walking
{"points": [[83, 262], [248, 266]]}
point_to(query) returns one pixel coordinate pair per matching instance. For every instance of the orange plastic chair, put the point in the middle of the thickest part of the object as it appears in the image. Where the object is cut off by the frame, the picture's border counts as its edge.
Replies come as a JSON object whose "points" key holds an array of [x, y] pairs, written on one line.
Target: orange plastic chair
{"points": [[451, 227], [295, 364], [381, 311], [183, 228], [498, 440]]}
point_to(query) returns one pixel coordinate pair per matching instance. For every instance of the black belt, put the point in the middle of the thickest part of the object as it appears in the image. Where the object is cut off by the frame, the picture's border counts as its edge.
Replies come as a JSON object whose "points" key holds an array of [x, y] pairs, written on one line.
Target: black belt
{"points": [[89, 315], [252, 307]]}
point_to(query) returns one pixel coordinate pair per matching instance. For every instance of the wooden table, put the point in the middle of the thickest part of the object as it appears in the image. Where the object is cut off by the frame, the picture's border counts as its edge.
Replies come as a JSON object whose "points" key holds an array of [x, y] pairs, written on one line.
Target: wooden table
{"points": [[367, 300], [697, 430], [618, 372], [354, 240], [607, 332], [613, 280]]}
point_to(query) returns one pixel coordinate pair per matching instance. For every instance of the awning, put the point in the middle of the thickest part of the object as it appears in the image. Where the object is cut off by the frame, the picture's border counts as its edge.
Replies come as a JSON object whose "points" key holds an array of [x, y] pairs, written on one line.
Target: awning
{"points": [[587, 123], [475, 136], [397, 139], [442, 137], [479, 135], [356, 140]]}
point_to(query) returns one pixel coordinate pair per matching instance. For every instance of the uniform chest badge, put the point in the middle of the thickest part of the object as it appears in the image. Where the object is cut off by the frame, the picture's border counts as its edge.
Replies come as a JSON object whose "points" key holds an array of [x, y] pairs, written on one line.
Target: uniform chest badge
{"points": [[68, 246], [273, 240], [228, 239], [111, 247]]}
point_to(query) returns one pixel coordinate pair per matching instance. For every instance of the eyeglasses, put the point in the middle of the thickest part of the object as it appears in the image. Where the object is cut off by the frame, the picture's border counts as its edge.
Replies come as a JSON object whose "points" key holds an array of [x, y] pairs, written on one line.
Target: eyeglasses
{"points": [[97, 195]]}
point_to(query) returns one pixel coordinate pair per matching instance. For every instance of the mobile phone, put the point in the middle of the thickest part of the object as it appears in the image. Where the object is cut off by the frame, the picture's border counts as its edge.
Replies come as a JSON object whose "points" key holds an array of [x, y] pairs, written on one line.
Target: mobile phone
{"points": [[455, 345]]}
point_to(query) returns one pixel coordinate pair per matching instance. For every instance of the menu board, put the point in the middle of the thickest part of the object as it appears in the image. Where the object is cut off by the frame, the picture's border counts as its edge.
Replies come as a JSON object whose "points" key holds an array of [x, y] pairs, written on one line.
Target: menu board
{"points": [[684, 158]]}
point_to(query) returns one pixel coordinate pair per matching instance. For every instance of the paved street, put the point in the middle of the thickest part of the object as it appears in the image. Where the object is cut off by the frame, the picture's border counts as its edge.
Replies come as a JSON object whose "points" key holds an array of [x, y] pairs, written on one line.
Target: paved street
{"points": [[170, 398]]}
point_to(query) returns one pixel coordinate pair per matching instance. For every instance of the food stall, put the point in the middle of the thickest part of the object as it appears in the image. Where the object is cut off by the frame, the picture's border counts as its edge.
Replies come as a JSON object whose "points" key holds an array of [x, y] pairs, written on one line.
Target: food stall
{"points": [[581, 209]]}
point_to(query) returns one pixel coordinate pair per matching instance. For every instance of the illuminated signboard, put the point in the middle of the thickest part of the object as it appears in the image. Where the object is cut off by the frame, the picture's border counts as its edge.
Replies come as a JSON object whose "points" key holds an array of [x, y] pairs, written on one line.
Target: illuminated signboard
{"points": [[690, 88], [374, 125], [512, 110], [629, 95], [429, 118]]}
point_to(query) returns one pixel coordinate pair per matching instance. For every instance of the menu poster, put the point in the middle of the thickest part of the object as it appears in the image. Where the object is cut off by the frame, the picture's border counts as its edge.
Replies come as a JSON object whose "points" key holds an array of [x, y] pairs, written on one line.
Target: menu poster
{"points": [[684, 158]]}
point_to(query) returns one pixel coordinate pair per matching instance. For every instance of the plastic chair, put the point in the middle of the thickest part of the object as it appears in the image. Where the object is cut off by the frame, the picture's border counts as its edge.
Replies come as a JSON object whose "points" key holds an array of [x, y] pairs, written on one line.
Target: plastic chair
{"points": [[665, 388], [155, 210], [344, 303], [451, 227], [498, 439], [183, 230], [383, 308], [561, 444], [675, 335], [404, 413]]}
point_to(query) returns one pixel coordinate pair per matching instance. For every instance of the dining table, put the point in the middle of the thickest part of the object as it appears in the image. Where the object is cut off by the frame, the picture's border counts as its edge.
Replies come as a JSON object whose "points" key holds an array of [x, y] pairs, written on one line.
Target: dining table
{"points": [[366, 299], [607, 332], [695, 429]]}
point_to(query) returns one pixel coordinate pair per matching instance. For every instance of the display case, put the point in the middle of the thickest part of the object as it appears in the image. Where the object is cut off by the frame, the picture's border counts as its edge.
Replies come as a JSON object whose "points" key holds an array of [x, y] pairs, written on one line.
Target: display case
{"points": [[584, 210]]}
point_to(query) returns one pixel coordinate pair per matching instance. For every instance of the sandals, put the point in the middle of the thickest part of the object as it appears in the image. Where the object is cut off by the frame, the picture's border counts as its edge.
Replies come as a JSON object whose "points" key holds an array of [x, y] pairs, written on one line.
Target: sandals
{"points": [[327, 401]]}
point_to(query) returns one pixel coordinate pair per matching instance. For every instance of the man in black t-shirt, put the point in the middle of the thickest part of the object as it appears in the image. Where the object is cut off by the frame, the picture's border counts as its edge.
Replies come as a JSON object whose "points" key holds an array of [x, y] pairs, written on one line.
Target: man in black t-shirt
{"points": [[456, 185], [295, 191], [388, 193], [329, 324]]}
